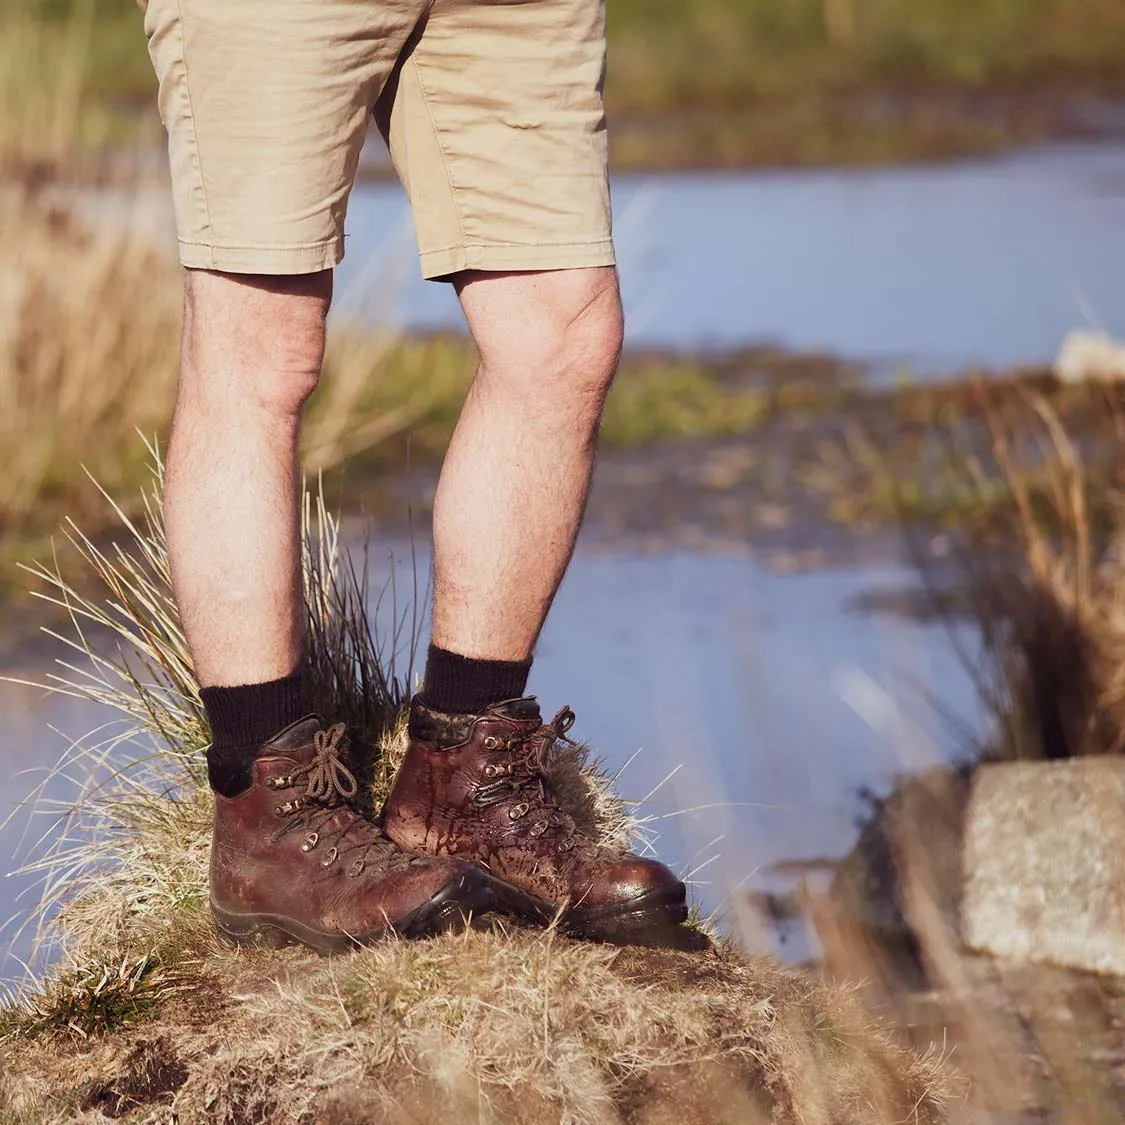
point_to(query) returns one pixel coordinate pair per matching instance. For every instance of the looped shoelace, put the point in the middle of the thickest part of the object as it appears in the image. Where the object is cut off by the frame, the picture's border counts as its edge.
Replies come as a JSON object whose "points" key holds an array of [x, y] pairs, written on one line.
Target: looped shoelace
{"points": [[328, 777], [546, 737]]}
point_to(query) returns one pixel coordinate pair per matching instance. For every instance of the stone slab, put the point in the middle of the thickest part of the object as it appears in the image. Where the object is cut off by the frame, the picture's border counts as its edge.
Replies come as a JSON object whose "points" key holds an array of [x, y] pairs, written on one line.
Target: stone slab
{"points": [[1044, 863]]}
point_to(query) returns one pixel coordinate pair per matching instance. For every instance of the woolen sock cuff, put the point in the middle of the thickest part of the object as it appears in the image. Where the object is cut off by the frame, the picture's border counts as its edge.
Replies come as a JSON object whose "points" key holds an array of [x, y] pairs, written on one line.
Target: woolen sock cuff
{"points": [[242, 720], [463, 685]]}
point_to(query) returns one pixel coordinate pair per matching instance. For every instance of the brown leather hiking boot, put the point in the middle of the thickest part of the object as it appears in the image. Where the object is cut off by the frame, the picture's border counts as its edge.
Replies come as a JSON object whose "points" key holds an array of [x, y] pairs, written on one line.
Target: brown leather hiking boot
{"points": [[479, 787], [291, 860]]}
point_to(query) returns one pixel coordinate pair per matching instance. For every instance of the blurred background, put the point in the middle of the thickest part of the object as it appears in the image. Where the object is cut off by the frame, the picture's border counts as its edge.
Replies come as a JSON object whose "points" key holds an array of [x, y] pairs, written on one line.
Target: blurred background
{"points": [[856, 528]]}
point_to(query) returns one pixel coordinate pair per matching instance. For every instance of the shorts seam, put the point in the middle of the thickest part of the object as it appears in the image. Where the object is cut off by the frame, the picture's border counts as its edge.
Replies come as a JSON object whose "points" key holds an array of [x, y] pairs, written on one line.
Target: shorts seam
{"points": [[197, 156], [518, 245], [453, 189], [297, 248]]}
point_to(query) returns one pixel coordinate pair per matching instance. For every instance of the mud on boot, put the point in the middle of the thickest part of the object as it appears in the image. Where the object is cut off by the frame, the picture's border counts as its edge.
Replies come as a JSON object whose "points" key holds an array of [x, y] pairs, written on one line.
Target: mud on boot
{"points": [[478, 787], [292, 861]]}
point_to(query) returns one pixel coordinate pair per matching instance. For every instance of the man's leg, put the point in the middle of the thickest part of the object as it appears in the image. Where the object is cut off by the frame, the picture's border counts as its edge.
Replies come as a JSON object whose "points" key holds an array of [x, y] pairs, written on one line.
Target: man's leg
{"points": [[476, 779], [514, 485], [290, 860], [252, 351]]}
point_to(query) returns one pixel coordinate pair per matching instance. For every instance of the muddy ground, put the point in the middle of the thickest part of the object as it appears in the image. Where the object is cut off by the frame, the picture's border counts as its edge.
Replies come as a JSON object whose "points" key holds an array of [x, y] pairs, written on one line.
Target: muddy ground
{"points": [[844, 466]]}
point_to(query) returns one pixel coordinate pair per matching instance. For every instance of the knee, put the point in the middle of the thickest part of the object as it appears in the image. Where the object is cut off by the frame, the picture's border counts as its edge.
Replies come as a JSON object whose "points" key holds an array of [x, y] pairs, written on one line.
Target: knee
{"points": [[254, 342], [556, 339]]}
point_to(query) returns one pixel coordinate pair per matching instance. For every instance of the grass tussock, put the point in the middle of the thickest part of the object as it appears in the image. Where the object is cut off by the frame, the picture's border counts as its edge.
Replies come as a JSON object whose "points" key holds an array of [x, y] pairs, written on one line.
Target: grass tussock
{"points": [[1011, 493], [91, 999], [1055, 637], [1043, 577], [146, 1016]]}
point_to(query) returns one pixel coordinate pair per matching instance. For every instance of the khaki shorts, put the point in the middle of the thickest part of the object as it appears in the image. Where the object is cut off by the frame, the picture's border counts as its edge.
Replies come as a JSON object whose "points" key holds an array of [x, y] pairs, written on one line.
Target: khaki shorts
{"points": [[492, 110]]}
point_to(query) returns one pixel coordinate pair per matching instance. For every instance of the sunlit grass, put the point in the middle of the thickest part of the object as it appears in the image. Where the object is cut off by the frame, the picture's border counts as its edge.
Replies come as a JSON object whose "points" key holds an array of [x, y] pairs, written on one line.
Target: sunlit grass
{"points": [[145, 1007]]}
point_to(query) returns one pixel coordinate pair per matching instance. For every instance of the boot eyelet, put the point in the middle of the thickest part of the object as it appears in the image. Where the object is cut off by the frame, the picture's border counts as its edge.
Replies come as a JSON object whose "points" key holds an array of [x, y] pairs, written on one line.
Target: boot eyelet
{"points": [[516, 811], [278, 810], [329, 858], [311, 840], [539, 827], [489, 771], [356, 869], [492, 743], [565, 846]]}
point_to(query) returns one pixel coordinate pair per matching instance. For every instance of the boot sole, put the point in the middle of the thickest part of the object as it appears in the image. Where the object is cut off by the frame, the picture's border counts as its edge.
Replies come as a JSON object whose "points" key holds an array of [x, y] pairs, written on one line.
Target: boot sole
{"points": [[654, 918], [450, 909]]}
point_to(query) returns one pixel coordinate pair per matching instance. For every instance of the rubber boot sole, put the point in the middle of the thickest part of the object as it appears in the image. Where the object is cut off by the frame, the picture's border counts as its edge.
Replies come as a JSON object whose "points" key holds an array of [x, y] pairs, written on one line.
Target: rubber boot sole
{"points": [[654, 918], [448, 910]]}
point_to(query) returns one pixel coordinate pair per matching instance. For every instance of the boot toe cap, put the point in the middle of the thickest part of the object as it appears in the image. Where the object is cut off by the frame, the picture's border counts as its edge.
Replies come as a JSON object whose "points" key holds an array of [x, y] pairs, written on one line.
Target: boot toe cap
{"points": [[634, 877]]}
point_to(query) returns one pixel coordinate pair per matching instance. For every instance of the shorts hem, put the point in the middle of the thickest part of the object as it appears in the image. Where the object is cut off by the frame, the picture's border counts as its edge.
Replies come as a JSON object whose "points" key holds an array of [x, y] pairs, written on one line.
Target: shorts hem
{"points": [[498, 257], [278, 260]]}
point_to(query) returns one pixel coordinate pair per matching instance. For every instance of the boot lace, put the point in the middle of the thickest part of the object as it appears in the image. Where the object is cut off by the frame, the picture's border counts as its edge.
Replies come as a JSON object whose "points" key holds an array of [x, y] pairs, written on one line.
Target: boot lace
{"points": [[323, 807], [329, 780], [532, 769]]}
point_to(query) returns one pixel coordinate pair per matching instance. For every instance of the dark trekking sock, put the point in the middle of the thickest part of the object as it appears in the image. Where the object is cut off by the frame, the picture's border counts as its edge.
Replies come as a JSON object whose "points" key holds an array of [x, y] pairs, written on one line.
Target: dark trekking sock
{"points": [[462, 685], [242, 720]]}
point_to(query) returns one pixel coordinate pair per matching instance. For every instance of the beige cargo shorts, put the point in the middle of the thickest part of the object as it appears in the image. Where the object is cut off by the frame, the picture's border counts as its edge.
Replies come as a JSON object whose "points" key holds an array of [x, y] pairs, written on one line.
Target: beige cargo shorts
{"points": [[492, 110]]}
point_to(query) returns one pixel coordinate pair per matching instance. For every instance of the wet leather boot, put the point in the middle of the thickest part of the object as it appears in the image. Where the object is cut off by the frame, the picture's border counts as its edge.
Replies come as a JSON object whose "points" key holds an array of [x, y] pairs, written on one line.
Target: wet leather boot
{"points": [[478, 787], [292, 861]]}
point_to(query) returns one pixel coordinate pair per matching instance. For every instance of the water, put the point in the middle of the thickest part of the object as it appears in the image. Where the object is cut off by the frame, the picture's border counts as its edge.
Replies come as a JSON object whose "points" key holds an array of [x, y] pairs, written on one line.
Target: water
{"points": [[984, 262], [934, 268], [37, 730], [769, 700]]}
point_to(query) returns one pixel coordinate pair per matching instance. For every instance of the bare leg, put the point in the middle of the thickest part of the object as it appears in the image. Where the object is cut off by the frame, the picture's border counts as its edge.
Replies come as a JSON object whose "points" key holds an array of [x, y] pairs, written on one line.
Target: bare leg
{"points": [[515, 481], [252, 352]]}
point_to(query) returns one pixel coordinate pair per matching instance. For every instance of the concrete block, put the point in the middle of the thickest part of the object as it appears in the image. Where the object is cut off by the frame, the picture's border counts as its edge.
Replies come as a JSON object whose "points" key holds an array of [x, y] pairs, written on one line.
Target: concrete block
{"points": [[1044, 863]]}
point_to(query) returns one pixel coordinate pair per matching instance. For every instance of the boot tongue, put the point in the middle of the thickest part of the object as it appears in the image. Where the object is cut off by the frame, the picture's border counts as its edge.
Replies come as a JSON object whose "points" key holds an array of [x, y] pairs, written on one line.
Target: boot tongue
{"points": [[294, 737], [521, 710]]}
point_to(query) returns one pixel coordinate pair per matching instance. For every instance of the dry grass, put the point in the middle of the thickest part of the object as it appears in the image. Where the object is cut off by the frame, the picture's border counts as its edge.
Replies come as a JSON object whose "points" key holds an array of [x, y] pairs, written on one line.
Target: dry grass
{"points": [[1020, 483], [1044, 580], [490, 1025], [146, 1016], [89, 347]]}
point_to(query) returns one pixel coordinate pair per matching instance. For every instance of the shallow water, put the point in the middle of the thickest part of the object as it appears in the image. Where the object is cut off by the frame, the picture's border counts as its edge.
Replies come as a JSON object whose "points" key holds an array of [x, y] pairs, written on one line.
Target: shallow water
{"points": [[931, 267], [36, 732], [769, 696], [935, 267]]}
